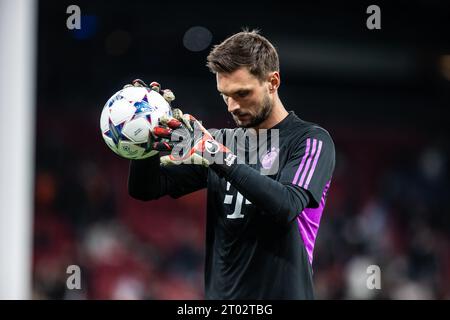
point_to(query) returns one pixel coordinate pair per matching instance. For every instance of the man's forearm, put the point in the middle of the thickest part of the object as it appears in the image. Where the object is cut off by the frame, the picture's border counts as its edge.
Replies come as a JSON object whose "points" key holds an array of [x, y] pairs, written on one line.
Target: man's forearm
{"points": [[144, 182], [148, 180], [281, 202]]}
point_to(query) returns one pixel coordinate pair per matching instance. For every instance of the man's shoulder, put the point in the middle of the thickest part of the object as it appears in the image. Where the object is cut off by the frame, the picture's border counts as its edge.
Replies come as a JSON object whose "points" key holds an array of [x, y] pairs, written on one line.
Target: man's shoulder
{"points": [[306, 135], [301, 129]]}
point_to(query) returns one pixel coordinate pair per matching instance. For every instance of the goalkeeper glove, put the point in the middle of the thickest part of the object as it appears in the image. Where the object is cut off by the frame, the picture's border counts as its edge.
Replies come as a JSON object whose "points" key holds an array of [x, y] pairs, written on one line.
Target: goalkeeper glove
{"points": [[198, 146], [159, 138]]}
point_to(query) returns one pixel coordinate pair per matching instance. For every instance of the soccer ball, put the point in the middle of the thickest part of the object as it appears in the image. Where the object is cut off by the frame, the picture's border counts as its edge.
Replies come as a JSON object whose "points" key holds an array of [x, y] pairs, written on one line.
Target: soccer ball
{"points": [[127, 119]]}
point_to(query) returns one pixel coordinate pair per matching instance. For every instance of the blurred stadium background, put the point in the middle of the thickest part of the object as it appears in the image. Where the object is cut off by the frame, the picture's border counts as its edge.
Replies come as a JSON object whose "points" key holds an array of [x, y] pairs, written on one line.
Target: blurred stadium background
{"points": [[381, 94]]}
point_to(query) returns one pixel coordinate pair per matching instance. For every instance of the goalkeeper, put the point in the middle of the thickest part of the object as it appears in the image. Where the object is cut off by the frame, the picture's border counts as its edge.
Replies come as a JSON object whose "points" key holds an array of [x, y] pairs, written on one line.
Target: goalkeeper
{"points": [[261, 227]]}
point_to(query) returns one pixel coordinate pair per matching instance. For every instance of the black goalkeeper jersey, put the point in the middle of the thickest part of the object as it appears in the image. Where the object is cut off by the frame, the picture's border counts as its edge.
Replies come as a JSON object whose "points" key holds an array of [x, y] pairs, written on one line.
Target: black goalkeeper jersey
{"points": [[262, 216]]}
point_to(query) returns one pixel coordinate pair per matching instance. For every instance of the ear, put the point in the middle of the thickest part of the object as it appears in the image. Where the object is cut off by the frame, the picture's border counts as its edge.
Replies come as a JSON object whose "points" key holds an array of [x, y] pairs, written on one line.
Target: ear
{"points": [[274, 81]]}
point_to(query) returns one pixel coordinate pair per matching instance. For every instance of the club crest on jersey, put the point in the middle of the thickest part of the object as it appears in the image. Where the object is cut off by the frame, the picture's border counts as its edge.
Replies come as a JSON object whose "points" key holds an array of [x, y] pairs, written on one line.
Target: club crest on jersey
{"points": [[269, 158]]}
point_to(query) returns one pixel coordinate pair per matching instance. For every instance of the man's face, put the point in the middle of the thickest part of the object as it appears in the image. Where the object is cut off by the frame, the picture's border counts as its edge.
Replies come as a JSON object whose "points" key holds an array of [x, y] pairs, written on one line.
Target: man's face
{"points": [[248, 99]]}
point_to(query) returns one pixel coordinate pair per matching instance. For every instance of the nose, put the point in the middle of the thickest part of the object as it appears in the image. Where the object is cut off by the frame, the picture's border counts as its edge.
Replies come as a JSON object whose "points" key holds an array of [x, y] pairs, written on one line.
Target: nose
{"points": [[233, 105]]}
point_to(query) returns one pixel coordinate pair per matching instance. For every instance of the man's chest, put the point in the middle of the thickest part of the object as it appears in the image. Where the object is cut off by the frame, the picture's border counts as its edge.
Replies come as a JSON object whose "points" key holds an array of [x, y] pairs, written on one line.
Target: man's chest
{"points": [[228, 205]]}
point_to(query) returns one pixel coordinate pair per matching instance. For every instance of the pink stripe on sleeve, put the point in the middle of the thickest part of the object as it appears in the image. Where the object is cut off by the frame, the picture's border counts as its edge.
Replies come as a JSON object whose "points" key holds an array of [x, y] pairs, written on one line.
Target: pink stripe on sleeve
{"points": [[302, 163], [316, 158], [308, 162]]}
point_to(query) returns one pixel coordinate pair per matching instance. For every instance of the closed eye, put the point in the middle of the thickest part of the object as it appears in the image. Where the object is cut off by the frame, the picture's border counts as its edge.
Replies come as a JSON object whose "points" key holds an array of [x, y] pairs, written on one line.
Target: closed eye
{"points": [[242, 93]]}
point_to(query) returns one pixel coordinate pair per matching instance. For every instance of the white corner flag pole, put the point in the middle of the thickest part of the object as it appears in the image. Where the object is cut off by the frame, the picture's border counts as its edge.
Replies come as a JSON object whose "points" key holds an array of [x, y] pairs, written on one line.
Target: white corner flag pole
{"points": [[18, 33]]}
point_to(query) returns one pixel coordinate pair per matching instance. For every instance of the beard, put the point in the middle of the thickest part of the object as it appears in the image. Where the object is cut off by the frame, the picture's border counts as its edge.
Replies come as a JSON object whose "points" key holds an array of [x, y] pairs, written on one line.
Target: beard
{"points": [[264, 112]]}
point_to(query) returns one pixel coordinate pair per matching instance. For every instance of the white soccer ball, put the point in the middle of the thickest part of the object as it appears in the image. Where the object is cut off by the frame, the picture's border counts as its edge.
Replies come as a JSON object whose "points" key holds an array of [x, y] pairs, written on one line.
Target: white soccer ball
{"points": [[128, 118]]}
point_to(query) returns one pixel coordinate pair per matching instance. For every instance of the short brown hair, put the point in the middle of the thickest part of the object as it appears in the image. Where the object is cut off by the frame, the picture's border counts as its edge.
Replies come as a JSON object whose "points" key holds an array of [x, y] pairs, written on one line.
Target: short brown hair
{"points": [[244, 49]]}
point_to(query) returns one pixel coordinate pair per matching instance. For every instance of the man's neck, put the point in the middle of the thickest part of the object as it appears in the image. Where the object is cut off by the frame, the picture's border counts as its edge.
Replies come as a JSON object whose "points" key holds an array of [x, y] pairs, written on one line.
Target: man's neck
{"points": [[277, 115]]}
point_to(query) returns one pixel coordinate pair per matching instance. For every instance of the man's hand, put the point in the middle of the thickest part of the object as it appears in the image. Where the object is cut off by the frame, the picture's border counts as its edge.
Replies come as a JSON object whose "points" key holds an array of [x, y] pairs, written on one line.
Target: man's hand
{"points": [[197, 146], [167, 94], [160, 136]]}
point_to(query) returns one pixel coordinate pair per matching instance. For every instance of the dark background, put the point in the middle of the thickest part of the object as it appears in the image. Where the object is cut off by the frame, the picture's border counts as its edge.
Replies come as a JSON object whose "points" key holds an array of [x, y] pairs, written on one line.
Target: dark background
{"points": [[380, 93]]}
